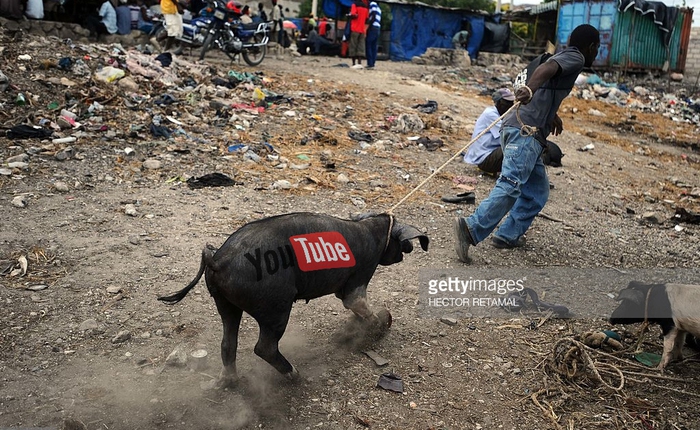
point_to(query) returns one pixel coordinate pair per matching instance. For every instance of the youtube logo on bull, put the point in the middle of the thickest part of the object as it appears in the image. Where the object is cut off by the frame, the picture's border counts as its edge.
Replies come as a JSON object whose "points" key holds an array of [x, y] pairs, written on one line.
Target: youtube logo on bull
{"points": [[324, 250]]}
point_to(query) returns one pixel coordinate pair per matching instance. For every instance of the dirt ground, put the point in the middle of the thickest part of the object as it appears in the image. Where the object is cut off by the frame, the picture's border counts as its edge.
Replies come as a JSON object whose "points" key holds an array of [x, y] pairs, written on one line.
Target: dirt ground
{"points": [[83, 340]]}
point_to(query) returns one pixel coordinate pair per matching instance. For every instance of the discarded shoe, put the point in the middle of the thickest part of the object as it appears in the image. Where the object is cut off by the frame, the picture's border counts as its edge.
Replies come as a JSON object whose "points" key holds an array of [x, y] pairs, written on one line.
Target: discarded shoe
{"points": [[462, 240], [469, 197], [500, 243]]}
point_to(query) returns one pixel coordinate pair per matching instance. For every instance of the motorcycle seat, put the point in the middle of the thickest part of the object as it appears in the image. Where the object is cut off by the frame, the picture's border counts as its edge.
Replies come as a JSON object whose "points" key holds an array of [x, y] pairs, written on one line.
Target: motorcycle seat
{"points": [[251, 26]]}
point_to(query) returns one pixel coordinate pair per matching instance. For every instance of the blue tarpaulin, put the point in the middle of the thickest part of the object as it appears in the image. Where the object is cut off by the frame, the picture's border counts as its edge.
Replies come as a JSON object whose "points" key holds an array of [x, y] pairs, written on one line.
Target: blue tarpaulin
{"points": [[335, 8], [415, 28]]}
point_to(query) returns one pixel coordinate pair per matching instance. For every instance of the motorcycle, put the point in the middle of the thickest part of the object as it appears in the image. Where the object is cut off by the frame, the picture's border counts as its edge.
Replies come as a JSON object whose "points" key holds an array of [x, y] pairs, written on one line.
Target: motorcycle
{"points": [[233, 37], [194, 31]]}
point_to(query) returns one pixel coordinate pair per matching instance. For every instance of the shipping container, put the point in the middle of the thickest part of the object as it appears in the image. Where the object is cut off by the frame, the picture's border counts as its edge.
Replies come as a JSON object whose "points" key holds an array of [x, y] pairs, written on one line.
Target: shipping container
{"points": [[630, 41]]}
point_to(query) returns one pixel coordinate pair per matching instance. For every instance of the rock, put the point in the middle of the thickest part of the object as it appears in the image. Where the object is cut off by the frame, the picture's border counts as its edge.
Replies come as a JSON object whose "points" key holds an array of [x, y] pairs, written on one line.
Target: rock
{"points": [[65, 154], [21, 158], [5, 172], [18, 165], [378, 359], [282, 184], [61, 187], [152, 164], [343, 178], [128, 84], [177, 358], [89, 324], [130, 210], [114, 289], [596, 112], [19, 202], [651, 217], [677, 77], [121, 337], [448, 321]]}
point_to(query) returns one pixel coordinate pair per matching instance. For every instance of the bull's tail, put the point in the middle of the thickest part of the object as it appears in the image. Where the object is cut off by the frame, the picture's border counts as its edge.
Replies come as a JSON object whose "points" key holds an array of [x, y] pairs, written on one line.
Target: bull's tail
{"points": [[207, 259]]}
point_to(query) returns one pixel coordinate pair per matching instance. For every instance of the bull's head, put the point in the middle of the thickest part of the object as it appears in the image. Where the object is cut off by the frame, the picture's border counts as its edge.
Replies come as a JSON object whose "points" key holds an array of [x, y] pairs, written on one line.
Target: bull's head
{"points": [[399, 239], [400, 243]]}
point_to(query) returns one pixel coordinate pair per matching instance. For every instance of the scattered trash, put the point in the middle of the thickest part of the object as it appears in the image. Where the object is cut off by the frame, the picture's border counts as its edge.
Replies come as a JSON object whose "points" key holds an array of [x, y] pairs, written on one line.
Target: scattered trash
{"points": [[211, 180], [588, 147], [24, 131], [408, 123], [605, 339], [109, 74], [519, 298], [165, 59], [429, 107], [467, 197], [648, 358], [378, 359], [391, 382], [683, 215], [429, 144], [360, 136], [70, 139]]}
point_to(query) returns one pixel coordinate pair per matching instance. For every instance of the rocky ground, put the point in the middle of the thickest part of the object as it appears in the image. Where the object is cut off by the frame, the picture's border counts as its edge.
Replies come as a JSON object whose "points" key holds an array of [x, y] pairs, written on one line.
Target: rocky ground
{"points": [[94, 229]]}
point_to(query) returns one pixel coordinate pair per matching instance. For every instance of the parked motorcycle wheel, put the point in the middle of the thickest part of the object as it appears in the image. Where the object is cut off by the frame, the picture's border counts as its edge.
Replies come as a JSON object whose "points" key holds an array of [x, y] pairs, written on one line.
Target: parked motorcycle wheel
{"points": [[162, 36], [255, 54], [207, 43]]}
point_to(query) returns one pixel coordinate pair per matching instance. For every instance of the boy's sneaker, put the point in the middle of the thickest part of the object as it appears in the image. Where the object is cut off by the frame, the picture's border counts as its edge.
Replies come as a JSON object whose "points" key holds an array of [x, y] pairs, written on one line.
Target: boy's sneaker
{"points": [[462, 240], [499, 243]]}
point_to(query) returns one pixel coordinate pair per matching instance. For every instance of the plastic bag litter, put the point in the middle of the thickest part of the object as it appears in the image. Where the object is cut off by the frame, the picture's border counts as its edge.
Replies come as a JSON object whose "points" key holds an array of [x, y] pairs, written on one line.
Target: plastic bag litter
{"points": [[109, 74]]}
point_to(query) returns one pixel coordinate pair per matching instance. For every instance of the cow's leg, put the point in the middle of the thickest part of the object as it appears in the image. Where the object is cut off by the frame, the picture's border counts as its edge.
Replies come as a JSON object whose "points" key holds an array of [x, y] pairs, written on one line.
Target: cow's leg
{"points": [[272, 327], [231, 319]]}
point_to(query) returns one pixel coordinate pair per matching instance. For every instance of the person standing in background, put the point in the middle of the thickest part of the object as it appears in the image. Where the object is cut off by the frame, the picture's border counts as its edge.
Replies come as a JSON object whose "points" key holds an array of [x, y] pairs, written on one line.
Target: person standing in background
{"points": [[34, 9], [123, 18], [358, 30], [173, 21], [375, 24], [276, 17]]}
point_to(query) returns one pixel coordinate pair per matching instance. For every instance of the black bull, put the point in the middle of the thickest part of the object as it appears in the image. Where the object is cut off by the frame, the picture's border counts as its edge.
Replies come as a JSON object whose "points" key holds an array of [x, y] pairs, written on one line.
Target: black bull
{"points": [[266, 265]]}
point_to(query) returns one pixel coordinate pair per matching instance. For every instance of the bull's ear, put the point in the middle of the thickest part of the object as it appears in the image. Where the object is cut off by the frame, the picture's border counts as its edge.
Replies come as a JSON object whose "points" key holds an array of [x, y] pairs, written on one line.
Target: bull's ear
{"points": [[405, 233], [635, 296]]}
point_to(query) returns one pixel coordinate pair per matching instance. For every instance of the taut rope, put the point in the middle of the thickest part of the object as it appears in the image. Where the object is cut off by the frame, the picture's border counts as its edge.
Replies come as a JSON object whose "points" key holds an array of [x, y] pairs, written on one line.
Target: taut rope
{"points": [[419, 186]]}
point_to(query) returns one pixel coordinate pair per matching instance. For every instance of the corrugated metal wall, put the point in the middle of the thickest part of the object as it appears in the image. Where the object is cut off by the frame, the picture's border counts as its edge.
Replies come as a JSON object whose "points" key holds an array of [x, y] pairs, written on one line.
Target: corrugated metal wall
{"points": [[600, 14], [638, 42], [629, 40]]}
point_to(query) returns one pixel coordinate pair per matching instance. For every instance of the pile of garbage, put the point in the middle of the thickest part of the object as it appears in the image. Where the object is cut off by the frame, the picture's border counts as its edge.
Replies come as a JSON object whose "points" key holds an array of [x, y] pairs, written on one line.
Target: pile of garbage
{"points": [[643, 96], [61, 99]]}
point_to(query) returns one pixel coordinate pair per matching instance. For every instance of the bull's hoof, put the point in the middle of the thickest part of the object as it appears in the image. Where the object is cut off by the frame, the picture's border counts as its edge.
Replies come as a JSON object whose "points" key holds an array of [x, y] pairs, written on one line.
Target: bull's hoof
{"points": [[384, 317], [227, 380], [293, 376]]}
